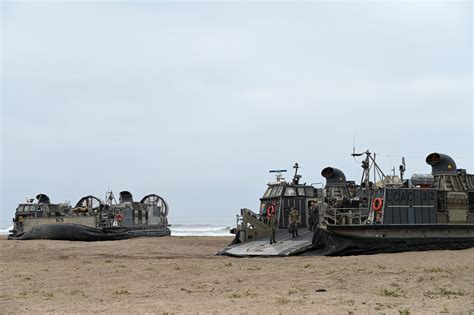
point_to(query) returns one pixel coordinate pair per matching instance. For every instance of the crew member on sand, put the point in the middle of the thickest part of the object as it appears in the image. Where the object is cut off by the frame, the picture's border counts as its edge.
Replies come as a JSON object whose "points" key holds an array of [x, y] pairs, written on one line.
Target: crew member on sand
{"points": [[294, 220], [273, 225]]}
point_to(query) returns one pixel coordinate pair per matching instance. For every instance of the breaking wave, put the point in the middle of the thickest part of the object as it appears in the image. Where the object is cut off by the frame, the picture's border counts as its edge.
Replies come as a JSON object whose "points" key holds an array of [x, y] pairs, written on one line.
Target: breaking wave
{"points": [[6, 231], [199, 230]]}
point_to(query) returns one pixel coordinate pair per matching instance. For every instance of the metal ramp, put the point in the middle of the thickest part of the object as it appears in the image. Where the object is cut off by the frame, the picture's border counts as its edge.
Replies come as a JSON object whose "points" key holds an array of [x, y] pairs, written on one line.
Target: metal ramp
{"points": [[286, 245]]}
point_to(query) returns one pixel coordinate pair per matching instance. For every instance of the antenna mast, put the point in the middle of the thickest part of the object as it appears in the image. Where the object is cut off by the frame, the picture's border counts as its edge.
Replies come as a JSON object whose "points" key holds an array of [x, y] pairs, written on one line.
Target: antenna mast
{"points": [[367, 164], [296, 178], [402, 168]]}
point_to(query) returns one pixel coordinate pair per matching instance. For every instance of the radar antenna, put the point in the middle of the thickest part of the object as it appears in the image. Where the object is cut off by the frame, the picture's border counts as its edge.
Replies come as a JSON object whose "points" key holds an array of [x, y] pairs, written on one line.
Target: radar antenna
{"points": [[279, 176]]}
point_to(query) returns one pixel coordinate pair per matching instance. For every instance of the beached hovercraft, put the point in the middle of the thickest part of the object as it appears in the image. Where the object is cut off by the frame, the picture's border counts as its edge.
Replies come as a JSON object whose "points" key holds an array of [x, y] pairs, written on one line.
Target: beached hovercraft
{"points": [[91, 219], [433, 211]]}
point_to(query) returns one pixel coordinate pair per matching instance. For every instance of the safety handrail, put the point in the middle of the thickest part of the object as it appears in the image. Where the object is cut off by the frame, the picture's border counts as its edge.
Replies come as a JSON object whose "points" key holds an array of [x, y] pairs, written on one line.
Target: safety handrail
{"points": [[344, 216]]}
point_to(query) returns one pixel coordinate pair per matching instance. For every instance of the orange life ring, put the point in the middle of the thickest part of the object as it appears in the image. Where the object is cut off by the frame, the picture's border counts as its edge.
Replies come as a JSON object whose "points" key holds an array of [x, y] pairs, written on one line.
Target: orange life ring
{"points": [[119, 217], [270, 210], [377, 204]]}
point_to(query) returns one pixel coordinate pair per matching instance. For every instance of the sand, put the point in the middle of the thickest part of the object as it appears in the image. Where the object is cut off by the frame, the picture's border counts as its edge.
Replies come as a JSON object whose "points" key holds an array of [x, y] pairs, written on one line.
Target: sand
{"points": [[182, 275]]}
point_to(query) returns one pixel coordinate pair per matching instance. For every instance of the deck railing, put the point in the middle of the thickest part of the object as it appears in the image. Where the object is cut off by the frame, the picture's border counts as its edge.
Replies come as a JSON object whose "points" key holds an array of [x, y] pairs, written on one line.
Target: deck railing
{"points": [[345, 216]]}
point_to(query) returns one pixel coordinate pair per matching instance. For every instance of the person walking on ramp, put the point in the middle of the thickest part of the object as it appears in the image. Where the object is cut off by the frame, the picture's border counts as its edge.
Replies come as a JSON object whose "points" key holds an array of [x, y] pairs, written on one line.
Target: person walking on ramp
{"points": [[294, 220], [273, 225]]}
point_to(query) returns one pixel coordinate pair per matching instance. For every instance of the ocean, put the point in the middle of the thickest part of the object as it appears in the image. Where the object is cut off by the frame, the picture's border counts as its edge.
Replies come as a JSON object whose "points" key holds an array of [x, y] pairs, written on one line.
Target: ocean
{"points": [[182, 230], [199, 230], [5, 231]]}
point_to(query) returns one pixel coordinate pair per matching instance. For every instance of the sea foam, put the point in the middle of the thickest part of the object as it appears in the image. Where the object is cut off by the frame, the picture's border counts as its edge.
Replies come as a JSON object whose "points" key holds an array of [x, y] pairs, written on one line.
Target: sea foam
{"points": [[199, 230], [5, 231]]}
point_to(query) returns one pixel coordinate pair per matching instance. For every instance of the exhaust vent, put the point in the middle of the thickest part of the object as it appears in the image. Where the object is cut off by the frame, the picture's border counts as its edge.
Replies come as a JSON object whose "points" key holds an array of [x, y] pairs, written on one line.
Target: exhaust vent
{"points": [[126, 196], [441, 164], [334, 176], [42, 198]]}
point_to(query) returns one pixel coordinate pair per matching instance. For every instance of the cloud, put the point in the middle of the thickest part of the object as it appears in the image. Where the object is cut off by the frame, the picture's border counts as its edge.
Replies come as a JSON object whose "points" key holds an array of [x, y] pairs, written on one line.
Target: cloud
{"points": [[197, 101]]}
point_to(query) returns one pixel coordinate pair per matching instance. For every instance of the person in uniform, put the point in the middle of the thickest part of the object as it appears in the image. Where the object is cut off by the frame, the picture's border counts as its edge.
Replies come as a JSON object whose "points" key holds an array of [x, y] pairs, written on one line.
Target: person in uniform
{"points": [[273, 225], [313, 215], [294, 220]]}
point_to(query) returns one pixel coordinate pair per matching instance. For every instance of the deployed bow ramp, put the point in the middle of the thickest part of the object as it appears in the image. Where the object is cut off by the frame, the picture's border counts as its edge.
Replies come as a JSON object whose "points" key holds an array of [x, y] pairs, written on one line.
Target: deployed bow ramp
{"points": [[441, 164]]}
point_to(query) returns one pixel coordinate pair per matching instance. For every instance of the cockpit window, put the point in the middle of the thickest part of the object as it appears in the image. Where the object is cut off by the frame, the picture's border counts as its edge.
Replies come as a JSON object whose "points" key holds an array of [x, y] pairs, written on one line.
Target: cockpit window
{"points": [[277, 191], [268, 192], [300, 191], [290, 191], [309, 191]]}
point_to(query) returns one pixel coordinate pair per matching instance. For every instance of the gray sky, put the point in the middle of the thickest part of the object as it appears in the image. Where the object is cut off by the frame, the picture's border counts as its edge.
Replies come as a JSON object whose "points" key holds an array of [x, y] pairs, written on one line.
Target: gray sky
{"points": [[196, 102]]}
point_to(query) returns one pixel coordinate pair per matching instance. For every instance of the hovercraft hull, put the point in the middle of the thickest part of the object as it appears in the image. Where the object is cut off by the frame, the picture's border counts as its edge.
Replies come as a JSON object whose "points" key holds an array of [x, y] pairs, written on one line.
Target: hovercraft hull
{"points": [[83, 233]]}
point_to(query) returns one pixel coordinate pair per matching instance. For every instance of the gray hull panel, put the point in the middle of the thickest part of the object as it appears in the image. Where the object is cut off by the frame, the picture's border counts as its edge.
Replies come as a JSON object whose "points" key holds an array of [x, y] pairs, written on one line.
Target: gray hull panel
{"points": [[285, 246]]}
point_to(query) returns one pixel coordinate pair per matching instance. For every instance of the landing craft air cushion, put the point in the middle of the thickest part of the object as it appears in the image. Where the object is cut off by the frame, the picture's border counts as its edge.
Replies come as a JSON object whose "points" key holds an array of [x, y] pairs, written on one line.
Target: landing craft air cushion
{"points": [[389, 215], [91, 219]]}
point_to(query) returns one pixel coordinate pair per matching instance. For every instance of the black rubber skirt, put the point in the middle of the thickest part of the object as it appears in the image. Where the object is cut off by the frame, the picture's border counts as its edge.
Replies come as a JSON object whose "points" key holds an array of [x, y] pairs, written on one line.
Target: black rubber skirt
{"points": [[71, 232], [327, 243]]}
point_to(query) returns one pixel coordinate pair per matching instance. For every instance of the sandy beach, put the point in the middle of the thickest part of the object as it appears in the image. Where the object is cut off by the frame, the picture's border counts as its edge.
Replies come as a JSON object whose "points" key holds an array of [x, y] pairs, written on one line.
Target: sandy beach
{"points": [[182, 275]]}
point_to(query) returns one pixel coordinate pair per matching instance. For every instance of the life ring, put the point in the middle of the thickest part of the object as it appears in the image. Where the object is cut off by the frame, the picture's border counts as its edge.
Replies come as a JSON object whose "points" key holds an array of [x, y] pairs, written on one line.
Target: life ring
{"points": [[270, 210], [377, 204], [119, 217]]}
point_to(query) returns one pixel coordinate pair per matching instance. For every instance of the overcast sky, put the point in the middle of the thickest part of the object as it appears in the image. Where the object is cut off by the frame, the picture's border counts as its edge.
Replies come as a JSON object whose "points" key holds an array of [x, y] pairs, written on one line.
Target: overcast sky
{"points": [[196, 102]]}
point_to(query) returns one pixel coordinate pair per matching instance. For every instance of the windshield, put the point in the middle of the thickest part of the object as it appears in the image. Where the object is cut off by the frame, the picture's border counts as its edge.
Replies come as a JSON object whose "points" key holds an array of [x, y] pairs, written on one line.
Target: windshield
{"points": [[309, 191], [268, 192], [290, 191], [277, 191]]}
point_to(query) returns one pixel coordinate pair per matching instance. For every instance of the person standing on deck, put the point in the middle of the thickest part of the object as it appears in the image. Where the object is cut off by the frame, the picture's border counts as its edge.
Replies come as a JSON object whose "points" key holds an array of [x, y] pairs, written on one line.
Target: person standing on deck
{"points": [[294, 220]]}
